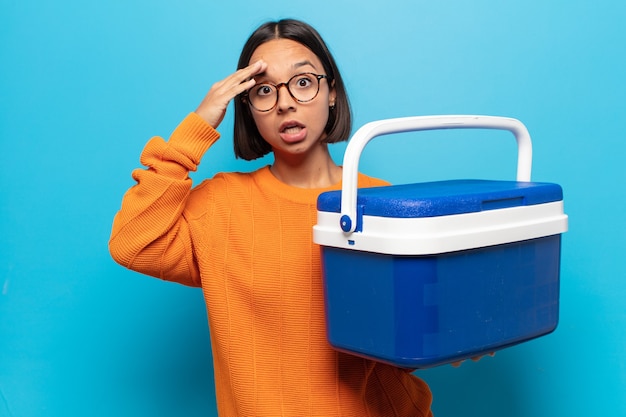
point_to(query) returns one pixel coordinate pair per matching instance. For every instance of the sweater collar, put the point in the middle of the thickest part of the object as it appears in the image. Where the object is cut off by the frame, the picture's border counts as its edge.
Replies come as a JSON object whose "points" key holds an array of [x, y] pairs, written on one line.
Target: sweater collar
{"points": [[268, 181]]}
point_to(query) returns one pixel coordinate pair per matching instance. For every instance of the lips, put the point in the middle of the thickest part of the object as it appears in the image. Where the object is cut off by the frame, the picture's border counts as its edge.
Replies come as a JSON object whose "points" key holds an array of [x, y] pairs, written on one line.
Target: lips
{"points": [[292, 131]]}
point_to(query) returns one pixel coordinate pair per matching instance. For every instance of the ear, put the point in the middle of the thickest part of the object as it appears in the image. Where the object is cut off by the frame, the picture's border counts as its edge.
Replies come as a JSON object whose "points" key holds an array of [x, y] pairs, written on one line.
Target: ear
{"points": [[332, 95]]}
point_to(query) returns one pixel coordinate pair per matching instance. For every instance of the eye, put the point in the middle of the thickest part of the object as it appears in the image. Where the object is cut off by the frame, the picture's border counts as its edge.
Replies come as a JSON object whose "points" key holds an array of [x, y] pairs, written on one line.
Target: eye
{"points": [[264, 90], [303, 81]]}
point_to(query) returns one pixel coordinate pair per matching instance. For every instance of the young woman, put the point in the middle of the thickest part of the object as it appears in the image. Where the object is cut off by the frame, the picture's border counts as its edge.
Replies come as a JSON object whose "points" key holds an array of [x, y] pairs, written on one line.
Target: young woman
{"points": [[246, 238]]}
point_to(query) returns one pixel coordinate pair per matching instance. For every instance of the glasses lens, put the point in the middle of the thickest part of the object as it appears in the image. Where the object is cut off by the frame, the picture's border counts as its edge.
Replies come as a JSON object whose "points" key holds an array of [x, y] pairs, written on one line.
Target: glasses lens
{"points": [[263, 96], [304, 87]]}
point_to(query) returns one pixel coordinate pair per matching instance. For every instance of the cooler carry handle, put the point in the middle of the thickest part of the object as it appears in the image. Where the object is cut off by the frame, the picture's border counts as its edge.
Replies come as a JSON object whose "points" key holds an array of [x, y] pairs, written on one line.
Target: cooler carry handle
{"points": [[416, 123]]}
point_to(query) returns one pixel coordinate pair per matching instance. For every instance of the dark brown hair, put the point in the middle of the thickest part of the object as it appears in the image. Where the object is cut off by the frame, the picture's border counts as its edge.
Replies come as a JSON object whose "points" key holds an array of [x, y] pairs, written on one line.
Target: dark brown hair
{"points": [[248, 142]]}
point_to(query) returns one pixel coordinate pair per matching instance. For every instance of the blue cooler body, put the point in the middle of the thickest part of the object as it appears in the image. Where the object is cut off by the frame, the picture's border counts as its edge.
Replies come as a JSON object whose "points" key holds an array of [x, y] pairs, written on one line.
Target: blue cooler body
{"points": [[423, 274], [421, 310]]}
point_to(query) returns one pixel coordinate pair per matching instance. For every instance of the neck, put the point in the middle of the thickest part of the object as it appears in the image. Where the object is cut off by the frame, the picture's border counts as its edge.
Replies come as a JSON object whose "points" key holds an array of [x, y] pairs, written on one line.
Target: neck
{"points": [[307, 171]]}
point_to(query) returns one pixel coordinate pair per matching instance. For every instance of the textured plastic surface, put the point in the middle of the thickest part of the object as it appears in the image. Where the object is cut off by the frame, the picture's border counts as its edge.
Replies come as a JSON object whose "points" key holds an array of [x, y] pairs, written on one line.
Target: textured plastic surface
{"points": [[443, 198], [423, 311], [439, 217]]}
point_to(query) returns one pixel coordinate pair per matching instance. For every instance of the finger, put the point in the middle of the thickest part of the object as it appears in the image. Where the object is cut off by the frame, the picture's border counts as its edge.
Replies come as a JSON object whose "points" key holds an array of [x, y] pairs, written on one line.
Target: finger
{"points": [[236, 83], [254, 68], [244, 78], [477, 358], [246, 74]]}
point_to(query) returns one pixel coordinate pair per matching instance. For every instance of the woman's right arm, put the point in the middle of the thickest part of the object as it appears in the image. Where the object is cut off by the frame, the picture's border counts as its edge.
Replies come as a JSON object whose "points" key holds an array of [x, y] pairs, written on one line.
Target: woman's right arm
{"points": [[150, 234]]}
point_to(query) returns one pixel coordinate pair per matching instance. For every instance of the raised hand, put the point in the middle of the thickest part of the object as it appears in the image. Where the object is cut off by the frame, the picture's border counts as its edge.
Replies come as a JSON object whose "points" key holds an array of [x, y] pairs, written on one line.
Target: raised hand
{"points": [[213, 106]]}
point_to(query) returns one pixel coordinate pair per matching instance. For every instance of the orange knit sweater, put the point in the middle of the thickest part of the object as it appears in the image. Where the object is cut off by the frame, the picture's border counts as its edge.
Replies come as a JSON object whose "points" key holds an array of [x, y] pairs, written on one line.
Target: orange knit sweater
{"points": [[246, 240]]}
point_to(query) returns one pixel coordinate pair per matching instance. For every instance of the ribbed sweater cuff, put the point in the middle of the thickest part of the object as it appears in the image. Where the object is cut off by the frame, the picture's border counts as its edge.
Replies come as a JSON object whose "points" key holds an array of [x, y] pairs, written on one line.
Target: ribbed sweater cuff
{"points": [[193, 137]]}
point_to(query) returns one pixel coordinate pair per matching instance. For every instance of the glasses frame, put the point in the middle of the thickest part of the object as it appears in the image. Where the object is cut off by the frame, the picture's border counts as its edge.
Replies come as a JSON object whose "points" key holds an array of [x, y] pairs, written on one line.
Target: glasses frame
{"points": [[286, 85]]}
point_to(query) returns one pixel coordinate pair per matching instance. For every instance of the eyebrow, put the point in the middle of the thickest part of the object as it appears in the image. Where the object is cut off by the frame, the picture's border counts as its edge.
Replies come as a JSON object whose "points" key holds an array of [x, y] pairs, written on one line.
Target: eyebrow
{"points": [[303, 63], [294, 66]]}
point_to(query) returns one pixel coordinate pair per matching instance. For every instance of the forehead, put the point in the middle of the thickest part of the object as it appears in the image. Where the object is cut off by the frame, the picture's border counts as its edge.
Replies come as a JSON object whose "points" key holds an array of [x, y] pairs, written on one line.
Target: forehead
{"points": [[285, 55]]}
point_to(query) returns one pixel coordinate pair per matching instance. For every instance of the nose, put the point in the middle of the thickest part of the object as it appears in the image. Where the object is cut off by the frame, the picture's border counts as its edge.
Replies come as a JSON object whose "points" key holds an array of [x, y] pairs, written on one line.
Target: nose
{"points": [[285, 99]]}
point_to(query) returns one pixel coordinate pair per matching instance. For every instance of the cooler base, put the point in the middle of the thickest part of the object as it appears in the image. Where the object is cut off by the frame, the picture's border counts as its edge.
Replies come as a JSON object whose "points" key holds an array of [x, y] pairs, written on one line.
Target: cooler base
{"points": [[423, 311]]}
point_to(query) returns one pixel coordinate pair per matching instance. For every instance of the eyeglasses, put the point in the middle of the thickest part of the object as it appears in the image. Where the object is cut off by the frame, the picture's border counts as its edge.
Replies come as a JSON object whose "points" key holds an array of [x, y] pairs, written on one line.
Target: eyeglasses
{"points": [[302, 87]]}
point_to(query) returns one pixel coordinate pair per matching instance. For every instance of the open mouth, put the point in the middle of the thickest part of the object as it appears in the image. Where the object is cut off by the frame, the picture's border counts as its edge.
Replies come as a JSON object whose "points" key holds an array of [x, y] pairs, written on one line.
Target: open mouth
{"points": [[291, 128], [292, 132]]}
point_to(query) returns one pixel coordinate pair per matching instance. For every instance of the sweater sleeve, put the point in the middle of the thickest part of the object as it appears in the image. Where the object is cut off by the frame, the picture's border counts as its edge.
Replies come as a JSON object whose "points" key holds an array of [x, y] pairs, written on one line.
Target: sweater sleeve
{"points": [[150, 233]]}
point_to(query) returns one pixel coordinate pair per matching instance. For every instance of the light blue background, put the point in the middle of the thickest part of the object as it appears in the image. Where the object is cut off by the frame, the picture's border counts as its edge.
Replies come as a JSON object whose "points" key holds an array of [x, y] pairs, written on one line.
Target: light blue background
{"points": [[84, 84]]}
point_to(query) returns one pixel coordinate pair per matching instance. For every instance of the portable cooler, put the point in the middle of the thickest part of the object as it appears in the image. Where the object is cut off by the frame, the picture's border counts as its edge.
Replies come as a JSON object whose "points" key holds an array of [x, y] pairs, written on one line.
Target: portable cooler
{"points": [[423, 274]]}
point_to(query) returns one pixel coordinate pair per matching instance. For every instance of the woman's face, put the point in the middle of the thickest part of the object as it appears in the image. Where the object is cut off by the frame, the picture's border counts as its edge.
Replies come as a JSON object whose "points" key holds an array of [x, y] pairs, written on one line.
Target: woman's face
{"points": [[292, 127]]}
